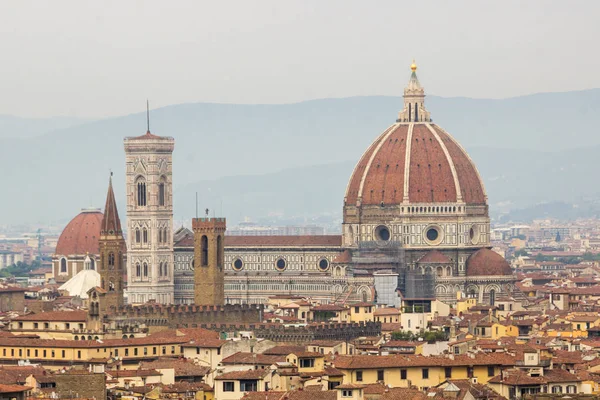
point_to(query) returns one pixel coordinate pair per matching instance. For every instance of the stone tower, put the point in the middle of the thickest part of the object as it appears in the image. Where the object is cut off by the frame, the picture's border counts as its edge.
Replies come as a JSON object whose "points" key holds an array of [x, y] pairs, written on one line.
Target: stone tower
{"points": [[111, 267], [149, 218], [112, 252], [209, 250]]}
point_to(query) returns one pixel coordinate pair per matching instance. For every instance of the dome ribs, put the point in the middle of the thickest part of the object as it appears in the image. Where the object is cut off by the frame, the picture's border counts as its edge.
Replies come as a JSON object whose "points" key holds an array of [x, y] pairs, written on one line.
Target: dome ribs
{"points": [[360, 170], [470, 183], [386, 173], [430, 177]]}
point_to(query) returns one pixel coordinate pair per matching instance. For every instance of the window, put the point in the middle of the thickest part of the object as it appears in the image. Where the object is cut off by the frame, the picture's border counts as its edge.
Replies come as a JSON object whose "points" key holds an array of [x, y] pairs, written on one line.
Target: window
{"points": [[67, 325], [556, 389], [126, 352], [63, 354], [456, 350], [307, 362], [359, 376], [141, 192], [228, 386], [204, 250], [172, 349], [145, 235], [248, 386], [135, 351], [35, 325], [425, 373], [111, 259], [145, 270], [219, 251], [63, 265], [571, 389], [380, 375], [116, 352], [138, 238], [44, 353], [448, 372], [357, 309], [346, 393], [138, 270], [491, 371], [164, 350], [161, 192], [20, 325], [403, 374], [145, 351], [154, 350], [470, 372], [46, 325]]}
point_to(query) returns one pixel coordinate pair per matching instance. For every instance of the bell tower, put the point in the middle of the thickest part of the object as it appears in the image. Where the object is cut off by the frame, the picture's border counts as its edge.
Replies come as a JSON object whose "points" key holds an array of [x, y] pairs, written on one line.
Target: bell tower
{"points": [[209, 251], [149, 218], [112, 252], [111, 266]]}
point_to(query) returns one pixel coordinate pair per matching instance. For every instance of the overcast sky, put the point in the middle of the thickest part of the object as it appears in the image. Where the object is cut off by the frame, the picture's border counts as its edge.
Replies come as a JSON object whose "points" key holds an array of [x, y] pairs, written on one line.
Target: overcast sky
{"points": [[103, 58]]}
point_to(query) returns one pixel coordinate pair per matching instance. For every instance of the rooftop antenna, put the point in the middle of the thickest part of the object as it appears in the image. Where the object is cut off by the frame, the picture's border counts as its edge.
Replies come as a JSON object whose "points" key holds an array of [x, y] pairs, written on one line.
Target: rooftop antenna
{"points": [[148, 115], [206, 211]]}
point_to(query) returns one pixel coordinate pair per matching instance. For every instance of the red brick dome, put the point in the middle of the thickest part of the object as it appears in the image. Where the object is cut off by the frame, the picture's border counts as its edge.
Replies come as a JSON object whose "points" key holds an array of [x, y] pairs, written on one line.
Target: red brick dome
{"points": [[486, 262], [81, 235], [418, 162]]}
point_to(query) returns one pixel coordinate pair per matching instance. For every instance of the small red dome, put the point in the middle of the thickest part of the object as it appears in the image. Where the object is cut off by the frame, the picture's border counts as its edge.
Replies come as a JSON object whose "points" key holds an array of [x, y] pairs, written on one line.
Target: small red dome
{"points": [[434, 257], [81, 235], [435, 170], [486, 262]]}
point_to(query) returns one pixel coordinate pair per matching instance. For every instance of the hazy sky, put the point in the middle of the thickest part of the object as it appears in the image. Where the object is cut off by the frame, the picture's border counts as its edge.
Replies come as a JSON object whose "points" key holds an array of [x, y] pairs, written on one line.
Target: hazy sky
{"points": [[102, 58]]}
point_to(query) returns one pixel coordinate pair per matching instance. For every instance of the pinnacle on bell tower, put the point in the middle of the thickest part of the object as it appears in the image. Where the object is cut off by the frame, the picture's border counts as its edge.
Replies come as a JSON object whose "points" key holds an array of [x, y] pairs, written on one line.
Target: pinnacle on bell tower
{"points": [[414, 100]]}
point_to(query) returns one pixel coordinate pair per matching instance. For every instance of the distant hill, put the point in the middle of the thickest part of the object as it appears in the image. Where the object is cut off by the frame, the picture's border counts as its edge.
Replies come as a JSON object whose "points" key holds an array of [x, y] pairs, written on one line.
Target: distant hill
{"points": [[296, 158], [17, 127]]}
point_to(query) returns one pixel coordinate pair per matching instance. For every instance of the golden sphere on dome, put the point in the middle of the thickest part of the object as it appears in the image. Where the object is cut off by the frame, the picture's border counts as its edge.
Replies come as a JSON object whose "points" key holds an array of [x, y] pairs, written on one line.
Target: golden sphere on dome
{"points": [[413, 66]]}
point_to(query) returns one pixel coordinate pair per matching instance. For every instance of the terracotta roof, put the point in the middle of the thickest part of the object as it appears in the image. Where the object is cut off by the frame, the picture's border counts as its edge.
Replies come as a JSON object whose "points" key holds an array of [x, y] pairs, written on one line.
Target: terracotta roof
{"points": [[306, 241], [434, 257], [149, 136], [380, 174], [81, 235], [486, 262], [55, 316], [182, 367], [328, 307], [253, 359], [248, 374], [13, 388], [284, 350], [344, 257], [130, 373], [386, 311], [292, 395]]}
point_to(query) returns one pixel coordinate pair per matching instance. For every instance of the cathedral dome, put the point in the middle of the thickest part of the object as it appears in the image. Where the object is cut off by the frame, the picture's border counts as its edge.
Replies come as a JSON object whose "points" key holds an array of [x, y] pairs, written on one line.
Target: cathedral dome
{"points": [[486, 262], [414, 161], [81, 235]]}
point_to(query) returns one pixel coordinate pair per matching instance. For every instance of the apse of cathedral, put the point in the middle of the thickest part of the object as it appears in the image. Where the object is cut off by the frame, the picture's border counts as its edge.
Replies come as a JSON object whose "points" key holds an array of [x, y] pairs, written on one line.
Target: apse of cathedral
{"points": [[415, 228]]}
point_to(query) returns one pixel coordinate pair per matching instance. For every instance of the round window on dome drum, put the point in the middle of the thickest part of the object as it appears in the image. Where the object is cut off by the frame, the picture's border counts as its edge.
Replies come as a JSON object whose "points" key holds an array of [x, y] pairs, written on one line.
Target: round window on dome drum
{"points": [[238, 264], [432, 234], [280, 264], [323, 264], [382, 233]]}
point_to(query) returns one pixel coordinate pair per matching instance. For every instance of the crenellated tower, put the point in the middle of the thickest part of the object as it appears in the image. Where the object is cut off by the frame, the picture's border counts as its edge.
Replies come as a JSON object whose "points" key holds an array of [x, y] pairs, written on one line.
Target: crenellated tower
{"points": [[149, 218], [209, 250]]}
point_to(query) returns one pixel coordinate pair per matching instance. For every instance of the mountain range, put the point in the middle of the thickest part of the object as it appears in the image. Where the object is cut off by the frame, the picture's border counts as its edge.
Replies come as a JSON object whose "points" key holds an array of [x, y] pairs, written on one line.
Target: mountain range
{"points": [[295, 159]]}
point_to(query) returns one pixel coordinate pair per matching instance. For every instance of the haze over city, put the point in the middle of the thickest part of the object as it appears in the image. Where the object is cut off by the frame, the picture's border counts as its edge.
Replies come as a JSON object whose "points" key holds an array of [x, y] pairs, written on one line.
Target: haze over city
{"points": [[299, 200], [94, 60]]}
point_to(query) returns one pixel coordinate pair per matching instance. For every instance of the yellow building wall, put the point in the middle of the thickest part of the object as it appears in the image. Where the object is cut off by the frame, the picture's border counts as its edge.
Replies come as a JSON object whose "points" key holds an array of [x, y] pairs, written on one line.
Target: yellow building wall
{"points": [[364, 314], [436, 376]]}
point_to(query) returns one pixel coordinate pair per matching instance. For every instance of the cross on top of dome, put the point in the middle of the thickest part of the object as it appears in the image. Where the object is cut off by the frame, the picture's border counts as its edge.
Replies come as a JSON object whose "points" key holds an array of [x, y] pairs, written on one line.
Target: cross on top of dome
{"points": [[414, 100]]}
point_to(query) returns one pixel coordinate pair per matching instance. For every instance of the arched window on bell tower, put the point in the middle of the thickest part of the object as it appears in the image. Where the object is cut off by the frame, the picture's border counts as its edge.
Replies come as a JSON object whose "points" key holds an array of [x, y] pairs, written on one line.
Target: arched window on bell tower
{"points": [[141, 192], [111, 259], [204, 250], [416, 113], [161, 191]]}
